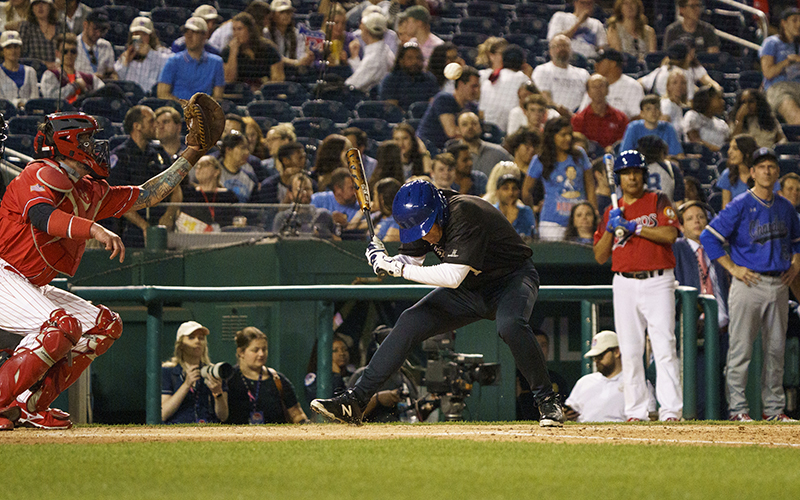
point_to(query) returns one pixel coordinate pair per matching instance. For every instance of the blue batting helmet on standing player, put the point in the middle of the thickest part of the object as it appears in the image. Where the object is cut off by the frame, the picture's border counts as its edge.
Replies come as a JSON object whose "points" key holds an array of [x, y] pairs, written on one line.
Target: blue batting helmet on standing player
{"points": [[417, 205], [629, 159]]}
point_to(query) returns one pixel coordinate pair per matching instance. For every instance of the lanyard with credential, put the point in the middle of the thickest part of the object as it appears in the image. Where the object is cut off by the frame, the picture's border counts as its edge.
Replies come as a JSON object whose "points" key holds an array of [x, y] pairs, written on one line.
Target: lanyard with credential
{"points": [[256, 417], [90, 55]]}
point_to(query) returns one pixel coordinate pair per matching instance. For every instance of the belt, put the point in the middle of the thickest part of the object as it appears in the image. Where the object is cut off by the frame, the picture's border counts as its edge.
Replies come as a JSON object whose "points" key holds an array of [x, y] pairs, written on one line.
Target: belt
{"points": [[643, 275], [774, 274]]}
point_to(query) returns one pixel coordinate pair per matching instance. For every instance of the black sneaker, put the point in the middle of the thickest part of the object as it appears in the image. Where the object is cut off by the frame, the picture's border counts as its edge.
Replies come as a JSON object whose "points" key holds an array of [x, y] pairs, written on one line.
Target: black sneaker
{"points": [[344, 408], [551, 414]]}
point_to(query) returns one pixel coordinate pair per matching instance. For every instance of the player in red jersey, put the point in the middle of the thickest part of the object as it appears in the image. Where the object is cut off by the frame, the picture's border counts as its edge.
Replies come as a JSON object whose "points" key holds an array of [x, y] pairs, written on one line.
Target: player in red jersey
{"points": [[644, 286], [46, 216]]}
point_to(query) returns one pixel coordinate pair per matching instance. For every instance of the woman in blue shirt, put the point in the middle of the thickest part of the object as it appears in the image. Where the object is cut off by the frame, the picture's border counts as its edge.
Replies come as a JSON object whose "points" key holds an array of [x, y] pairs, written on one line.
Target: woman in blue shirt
{"points": [[567, 176], [518, 214], [735, 179]]}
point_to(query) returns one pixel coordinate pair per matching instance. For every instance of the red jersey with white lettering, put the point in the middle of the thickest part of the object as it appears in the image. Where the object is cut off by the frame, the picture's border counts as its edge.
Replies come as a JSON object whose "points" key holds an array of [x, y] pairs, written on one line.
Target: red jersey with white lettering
{"points": [[36, 254], [633, 253]]}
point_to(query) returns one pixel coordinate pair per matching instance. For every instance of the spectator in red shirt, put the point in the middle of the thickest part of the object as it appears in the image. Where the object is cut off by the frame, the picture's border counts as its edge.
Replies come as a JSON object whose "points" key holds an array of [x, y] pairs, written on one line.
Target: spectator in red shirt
{"points": [[599, 122]]}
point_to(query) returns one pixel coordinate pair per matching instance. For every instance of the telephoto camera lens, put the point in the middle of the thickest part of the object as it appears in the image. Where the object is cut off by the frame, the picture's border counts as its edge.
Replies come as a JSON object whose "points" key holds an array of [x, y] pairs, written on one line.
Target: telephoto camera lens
{"points": [[219, 371]]}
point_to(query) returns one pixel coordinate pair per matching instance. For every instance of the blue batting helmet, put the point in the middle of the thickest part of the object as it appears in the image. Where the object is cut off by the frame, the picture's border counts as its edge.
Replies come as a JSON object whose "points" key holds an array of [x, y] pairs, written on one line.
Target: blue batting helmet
{"points": [[629, 159], [417, 205]]}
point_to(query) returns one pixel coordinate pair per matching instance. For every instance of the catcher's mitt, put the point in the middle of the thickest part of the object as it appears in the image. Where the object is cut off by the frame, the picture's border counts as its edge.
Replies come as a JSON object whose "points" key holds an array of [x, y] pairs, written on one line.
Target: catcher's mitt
{"points": [[205, 120]]}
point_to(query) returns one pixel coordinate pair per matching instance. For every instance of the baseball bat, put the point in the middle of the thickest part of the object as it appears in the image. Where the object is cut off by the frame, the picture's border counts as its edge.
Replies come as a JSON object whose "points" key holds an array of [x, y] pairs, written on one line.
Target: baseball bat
{"points": [[353, 156], [608, 161]]}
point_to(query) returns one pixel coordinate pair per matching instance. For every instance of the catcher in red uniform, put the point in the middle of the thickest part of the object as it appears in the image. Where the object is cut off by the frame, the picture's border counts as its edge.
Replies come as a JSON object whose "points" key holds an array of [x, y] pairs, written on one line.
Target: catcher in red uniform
{"points": [[46, 216]]}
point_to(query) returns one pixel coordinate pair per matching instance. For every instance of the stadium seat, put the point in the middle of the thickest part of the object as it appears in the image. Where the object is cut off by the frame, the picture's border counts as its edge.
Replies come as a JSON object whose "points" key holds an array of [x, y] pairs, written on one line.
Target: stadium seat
{"points": [[176, 15], [414, 122], [143, 5], [239, 93], [343, 71], [265, 123], [534, 10], [479, 25], [348, 96], [311, 146], [653, 60], [113, 109], [107, 129], [791, 149], [380, 109], [133, 91], [26, 125], [493, 10], [695, 148], [690, 166], [471, 40], [318, 128], [291, 92], [321, 108], [579, 61], [117, 34], [468, 53], [167, 32], [417, 109], [376, 129], [443, 27], [750, 79], [536, 27], [792, 132], [21, 143], [8, 109], [45, 106], [707, 174], [790, 165], [524, 40], [279, 110], [121, 13], [715, 201]]}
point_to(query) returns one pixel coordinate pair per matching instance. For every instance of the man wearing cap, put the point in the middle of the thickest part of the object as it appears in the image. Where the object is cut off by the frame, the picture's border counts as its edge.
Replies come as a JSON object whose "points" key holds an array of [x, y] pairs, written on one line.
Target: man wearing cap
{"points": [[780, 64], [378, 58], [142, 61], [600, 122], [212, 19], [485, 155], [586, 33], [500, 95], [690, 27], [624, 92], [599, 396], [192, 70], [75, 12], [418, 22], [96, 54], [18, 83], [186, 396], [763, 232]]}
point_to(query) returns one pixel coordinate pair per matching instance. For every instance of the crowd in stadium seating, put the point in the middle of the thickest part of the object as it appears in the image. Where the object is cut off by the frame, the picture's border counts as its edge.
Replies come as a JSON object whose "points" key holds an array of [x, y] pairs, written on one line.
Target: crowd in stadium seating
{"points": [[544, 89]]}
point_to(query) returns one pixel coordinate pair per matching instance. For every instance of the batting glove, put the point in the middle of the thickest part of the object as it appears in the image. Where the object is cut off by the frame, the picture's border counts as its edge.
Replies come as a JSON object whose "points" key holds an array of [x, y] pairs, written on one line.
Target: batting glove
{"points": [[387, 264], [614, 218], [630, 226], [374, 248]]}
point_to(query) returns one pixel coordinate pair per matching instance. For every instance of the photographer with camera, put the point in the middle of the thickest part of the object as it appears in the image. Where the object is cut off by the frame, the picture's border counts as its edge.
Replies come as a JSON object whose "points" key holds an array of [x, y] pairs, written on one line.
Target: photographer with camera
{"points": [[184, 397], [259, 394], [144, 56]]}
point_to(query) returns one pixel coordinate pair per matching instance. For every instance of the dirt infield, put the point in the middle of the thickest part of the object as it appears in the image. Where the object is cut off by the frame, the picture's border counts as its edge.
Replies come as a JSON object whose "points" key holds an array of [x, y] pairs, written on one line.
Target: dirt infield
{"points": [[684, 434]]}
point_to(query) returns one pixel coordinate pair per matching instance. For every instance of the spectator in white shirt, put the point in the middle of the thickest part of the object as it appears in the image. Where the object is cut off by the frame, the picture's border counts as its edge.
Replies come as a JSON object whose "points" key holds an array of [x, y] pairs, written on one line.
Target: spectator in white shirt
{"points": [[96, 54], [76, 12], [586, 33], [563, 84], [500, 95], [624, 93], [18, 83], [144, 56], [378, 59], [674, 102], [701, 123]]}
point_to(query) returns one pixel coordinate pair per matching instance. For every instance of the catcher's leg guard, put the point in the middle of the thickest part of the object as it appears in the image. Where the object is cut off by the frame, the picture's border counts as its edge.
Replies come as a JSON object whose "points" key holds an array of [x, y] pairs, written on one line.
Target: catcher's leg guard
{"points": [[107, 329], [26, 366]]}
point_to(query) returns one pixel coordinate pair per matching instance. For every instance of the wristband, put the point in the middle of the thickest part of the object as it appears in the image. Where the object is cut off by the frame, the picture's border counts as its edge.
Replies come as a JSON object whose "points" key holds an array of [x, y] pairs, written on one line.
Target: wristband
{"points": [[217, 396], [638, 229]]}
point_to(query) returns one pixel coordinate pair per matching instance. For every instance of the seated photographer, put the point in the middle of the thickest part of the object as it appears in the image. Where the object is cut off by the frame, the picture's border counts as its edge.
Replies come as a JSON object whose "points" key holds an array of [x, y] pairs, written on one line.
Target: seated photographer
{"points": [[599, 396], [341, 370], [258, 394], [185, 398]]}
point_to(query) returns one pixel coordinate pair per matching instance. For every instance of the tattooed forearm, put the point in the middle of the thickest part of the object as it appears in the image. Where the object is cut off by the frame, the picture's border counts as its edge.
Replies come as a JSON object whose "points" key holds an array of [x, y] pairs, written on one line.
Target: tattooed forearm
{"points": [[157, 188]]}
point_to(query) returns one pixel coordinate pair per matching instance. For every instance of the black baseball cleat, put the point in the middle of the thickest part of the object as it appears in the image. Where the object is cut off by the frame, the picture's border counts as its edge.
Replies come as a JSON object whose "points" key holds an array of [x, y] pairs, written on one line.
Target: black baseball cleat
{"points": [[343, 408], [550, 412]]}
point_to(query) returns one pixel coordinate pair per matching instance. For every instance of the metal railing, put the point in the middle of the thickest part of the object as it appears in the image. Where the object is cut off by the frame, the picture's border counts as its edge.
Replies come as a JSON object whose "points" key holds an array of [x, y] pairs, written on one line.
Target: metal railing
{"points": [[154, 298]]}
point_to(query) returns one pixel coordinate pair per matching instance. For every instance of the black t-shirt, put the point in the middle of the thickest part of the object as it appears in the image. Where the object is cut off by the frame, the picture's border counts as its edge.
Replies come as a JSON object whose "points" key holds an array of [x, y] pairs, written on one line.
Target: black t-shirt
{"points": [[478, 235], [252, 70], [268, 402], [221, 215]]}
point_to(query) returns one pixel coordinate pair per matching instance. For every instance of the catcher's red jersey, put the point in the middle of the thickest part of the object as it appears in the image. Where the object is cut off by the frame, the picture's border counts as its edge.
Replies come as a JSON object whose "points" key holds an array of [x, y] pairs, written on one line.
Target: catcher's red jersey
{"points": [[40, 256], [633, 253]]}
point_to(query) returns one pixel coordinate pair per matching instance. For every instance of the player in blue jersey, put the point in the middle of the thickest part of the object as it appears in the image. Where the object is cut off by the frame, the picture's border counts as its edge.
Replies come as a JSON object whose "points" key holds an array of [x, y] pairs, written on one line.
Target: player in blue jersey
{"points": [[763, 232]]}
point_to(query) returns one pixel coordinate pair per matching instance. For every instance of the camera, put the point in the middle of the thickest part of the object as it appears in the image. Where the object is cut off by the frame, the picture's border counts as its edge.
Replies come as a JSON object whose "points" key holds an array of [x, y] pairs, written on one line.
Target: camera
{"points": [[219, 371], [137, 41], [450, 375]]}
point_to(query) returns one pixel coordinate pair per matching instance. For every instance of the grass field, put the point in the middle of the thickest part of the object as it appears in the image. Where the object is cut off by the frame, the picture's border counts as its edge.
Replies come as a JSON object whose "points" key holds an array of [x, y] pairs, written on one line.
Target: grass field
{"points": [[498, 461]]}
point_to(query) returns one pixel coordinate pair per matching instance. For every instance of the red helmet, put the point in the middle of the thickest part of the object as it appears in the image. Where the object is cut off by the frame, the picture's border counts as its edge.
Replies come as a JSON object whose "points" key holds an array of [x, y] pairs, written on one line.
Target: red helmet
{"points": [[61, 135]]}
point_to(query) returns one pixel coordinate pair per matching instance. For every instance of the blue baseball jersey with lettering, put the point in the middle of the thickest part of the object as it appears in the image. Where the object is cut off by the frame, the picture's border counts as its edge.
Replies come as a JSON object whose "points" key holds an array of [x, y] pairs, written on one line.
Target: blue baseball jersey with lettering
{"points": [[762, 235]]}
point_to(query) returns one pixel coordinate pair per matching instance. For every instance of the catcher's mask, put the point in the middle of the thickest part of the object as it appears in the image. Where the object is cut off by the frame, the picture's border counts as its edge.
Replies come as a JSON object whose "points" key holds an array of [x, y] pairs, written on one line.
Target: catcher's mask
{"points": [[71, 135]]}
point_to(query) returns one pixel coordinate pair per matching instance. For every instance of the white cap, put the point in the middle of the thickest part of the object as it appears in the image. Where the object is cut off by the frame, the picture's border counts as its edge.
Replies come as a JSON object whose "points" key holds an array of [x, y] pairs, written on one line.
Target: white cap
{"points": [[602, 342], [281, 5], [189, 328], [207, 12], [196, 24], [142, 24], [369, 9], [10, 38], [375, 23]]}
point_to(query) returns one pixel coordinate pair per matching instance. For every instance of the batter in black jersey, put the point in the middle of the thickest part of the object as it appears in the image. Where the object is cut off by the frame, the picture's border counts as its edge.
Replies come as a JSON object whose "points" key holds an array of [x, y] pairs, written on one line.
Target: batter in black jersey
{"points": [[485, 273]]}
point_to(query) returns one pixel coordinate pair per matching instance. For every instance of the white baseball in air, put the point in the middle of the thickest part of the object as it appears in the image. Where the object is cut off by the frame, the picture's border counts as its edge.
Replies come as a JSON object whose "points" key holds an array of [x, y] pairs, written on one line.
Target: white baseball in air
{"points": [[452, 71]]}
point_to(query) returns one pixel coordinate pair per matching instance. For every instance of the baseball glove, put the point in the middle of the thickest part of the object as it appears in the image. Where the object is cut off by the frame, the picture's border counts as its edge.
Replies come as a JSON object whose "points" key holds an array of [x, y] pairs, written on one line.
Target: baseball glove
{"points": [[205, 120]]}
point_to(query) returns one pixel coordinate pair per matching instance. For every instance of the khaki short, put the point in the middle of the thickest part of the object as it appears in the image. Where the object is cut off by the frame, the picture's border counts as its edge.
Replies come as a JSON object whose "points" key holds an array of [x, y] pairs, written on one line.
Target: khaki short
{"points": [[781, 91]]}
